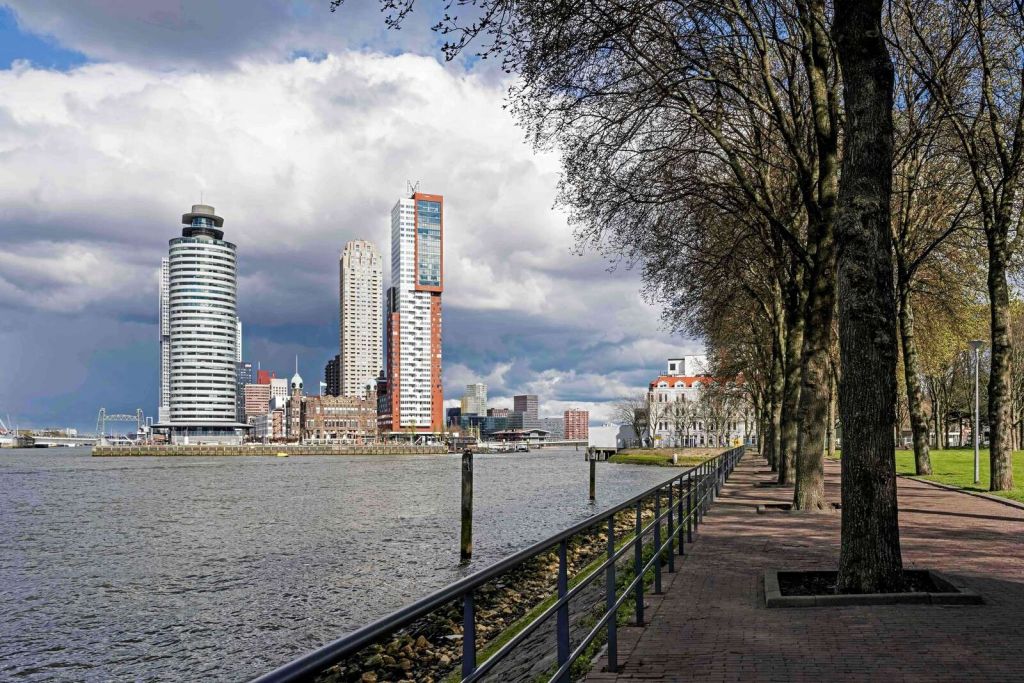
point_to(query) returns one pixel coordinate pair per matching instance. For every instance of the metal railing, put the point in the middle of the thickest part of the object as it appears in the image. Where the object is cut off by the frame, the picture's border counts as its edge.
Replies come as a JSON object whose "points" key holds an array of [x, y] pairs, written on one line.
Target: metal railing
{"points": [[687, 496]]}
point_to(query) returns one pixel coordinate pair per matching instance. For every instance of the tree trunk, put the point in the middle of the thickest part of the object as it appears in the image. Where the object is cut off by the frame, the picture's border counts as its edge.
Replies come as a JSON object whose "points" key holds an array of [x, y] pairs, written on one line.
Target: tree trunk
{"points": [[809, 493], [945, 426], [830, 432], [870, 560], [915, 400], [790, 394], [778, 383], [1000, 395], [777, 387]]}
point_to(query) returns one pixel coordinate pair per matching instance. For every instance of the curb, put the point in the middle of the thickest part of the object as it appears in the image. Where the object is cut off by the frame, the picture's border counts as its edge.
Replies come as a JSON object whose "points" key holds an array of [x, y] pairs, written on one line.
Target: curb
{"points": [[976, 494], [950, 593]]}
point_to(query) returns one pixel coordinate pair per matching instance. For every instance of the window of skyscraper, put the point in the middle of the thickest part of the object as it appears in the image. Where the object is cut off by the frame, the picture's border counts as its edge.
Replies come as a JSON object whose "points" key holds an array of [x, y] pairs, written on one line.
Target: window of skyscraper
{"points": [[428, 237]]}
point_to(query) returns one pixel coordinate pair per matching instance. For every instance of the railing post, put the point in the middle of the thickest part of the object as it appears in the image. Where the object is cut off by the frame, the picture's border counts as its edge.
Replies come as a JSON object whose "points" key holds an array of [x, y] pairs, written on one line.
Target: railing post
{"points": [[680, 519], [638, 563], [712, 484], [468, 635], [610, 597], [671, 529], [689, 507], [657, 542], [705, 492], [699, 516], [563, 611], [712, 478], [709, 489]]}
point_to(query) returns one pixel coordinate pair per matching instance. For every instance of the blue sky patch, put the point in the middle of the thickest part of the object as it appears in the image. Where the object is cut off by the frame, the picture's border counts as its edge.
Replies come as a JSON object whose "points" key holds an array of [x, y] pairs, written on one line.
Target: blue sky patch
{"points": [[41, 51]]}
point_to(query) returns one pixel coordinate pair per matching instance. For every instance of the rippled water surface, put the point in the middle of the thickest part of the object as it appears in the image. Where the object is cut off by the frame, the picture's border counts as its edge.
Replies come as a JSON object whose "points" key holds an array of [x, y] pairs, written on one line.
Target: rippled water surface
{"points": [[222, 568]]}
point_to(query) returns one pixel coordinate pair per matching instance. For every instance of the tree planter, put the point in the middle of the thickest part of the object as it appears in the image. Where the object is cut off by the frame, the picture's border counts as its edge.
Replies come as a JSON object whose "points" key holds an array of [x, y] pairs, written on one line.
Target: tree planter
{"points": [[788, 507], [937, 590]]}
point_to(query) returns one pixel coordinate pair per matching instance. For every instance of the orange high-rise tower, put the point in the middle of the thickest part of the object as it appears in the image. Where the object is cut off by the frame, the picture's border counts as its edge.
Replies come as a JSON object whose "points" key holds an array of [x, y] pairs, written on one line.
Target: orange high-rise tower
{"points": [[412, 398]]}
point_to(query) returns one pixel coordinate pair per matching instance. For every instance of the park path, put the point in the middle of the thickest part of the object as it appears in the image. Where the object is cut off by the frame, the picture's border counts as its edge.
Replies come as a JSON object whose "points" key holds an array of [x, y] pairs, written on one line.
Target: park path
{"points": [[710, 623]]}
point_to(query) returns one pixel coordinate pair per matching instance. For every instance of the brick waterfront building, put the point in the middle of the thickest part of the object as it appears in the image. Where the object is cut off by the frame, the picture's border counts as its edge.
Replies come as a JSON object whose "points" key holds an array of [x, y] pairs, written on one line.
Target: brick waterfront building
{"points": [[347, 419]]}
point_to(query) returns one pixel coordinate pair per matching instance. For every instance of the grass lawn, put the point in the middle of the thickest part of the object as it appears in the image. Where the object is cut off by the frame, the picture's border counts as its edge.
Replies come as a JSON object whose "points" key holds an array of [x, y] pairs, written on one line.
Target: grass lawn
{"points": [[688, 457], [956, 468]]}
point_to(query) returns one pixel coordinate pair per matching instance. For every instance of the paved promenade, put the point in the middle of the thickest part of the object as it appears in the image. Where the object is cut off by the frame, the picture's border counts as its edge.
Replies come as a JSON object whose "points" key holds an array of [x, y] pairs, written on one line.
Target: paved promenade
{"points": [[710, 624]]}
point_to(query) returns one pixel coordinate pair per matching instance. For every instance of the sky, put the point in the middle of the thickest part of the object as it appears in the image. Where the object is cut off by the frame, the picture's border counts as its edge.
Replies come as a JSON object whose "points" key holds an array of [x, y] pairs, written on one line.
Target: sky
{"points": [[303, 128]]}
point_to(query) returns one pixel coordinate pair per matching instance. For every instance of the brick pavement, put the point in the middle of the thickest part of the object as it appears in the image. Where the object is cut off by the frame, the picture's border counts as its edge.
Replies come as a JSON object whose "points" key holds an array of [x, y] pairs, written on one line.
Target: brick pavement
{"points": [[711, 625]]}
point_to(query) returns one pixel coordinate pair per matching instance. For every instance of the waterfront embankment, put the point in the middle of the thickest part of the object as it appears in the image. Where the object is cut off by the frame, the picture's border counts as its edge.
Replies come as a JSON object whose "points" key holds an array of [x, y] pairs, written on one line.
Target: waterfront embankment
{"points": [[264, 450]]}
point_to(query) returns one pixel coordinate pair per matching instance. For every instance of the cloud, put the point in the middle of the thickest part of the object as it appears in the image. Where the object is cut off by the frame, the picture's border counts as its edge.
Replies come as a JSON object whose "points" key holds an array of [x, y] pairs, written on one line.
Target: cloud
{"points": [[299, 156], [200, 34]]}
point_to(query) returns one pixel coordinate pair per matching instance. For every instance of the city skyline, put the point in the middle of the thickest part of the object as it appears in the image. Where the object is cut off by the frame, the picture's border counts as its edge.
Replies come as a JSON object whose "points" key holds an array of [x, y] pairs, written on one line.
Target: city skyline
{"points": [[518, 305]]}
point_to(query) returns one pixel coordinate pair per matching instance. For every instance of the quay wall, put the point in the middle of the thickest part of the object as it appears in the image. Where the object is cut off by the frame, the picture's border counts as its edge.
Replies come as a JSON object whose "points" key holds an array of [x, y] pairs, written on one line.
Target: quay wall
{"points": [[265, 449]]}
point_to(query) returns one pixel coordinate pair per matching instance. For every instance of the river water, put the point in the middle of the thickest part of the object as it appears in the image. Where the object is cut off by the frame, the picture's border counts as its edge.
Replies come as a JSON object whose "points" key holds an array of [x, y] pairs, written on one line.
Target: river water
{"points": [[223, 568]]}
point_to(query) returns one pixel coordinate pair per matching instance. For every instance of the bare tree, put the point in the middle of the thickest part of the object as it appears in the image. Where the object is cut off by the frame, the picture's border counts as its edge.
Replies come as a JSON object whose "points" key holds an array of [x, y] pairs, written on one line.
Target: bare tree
{"points": [[635, 411], [681, 414], [725, 404]]}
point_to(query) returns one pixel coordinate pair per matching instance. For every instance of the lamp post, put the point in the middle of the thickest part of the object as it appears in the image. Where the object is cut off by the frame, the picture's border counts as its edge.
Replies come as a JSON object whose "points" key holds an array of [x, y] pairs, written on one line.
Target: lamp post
{"points": [[976, 345]]}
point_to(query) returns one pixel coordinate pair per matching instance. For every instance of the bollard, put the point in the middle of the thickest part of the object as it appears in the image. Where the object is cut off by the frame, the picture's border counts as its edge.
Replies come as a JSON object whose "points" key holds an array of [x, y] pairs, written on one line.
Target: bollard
{"points": [[593, 475], [466, 544]]}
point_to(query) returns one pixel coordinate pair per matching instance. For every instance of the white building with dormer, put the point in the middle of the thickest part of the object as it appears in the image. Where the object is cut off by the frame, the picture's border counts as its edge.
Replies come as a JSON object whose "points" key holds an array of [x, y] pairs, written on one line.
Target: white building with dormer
{"points": [[689, 407]]}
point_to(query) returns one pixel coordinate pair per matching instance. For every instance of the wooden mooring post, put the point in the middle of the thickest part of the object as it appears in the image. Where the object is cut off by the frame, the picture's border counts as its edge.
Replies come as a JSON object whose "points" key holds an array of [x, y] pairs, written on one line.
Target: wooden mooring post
{"points": [[592, 457], [466, 542]]}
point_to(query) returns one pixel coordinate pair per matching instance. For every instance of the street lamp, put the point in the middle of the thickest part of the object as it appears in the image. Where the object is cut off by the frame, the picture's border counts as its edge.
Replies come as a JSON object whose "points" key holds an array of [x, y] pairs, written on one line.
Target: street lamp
{"points": [[976, 344]]}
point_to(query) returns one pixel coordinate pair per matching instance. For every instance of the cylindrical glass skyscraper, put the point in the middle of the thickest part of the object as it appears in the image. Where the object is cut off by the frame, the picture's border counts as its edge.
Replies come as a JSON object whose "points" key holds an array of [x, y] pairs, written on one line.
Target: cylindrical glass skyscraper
{"points": [[202, 322]]}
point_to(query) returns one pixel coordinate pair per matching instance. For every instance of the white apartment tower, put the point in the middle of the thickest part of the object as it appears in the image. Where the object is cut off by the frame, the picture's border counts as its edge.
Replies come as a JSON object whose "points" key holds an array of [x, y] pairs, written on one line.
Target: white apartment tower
{"points": [[199, 331], [414, 400], [361, 343], [164, 409]]}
